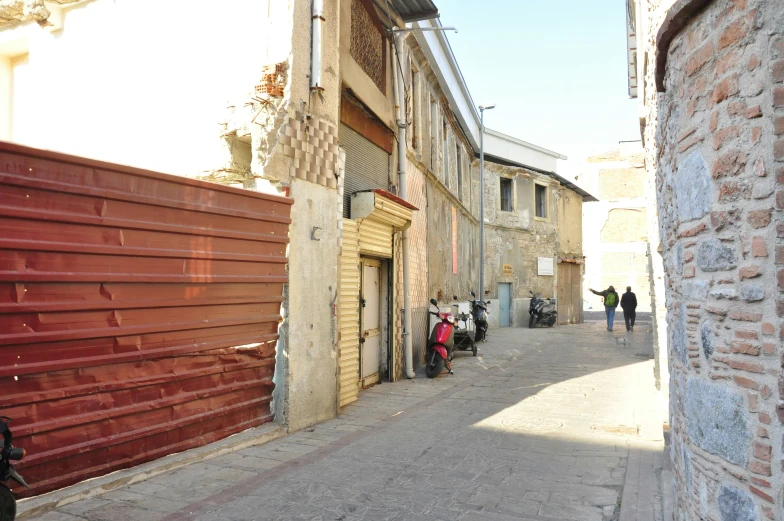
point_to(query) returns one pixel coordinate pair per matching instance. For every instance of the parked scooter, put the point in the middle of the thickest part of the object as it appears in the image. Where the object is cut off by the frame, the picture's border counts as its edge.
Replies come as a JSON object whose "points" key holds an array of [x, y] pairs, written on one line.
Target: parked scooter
{"points": [[441, 343], [8, 454], [480, 315], [540, 312]]}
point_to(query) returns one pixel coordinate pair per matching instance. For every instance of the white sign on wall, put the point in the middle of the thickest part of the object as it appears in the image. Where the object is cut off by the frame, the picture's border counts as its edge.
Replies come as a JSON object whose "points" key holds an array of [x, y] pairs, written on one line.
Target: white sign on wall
{"points": [[546, 266]]}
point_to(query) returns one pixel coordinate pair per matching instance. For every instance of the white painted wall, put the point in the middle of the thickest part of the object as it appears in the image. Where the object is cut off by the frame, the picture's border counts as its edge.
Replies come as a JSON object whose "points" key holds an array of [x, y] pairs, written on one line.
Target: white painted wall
{"points": [[139, 82]]}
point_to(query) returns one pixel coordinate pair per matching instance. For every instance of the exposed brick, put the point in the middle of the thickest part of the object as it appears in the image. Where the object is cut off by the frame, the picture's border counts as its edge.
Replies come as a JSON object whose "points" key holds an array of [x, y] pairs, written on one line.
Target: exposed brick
{"points": [[714, 121], [729, 191], [780, 309], [780, 276], [762, 451], [699, 58], [716, 311], [753, 402], [729, 164], [748, 383], [734, 32], [689, 272], [725, 89], [779, 254], [764, 418], [745, 316], [744, 333], [754, 62], [686, 133], [768, 512], [762, 432], [690, 143], [753, 112], [759, 218], [691, 232], [765, 392], [768, 329], [726, 63], [721, 136], [743, 365], [778, 150], [777, 47], [757, 492], [756, 135], [759, 168], [744, 348], [769, 349], [688, 256], [749, 272], [778, 125], [760, 482], [778, 97], [777, 71]]}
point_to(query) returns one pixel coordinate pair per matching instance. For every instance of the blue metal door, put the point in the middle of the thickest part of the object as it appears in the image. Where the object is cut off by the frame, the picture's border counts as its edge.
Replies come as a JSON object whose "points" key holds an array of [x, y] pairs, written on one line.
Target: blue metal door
{"points": [[505, 304]]}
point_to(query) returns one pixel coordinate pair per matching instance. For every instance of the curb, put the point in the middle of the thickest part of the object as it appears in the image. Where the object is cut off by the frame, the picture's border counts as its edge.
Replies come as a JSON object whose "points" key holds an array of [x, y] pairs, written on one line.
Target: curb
{"points": [[39, 505]]}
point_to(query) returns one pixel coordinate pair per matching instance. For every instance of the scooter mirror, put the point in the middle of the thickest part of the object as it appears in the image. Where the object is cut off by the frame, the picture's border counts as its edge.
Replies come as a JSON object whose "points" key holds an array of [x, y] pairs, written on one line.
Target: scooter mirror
{"points": [[472, 293], [454, 297], [434, 302]]}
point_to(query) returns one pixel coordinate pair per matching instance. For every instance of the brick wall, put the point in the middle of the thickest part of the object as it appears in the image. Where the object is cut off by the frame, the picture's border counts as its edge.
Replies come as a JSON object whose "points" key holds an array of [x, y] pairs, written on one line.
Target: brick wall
{"points": [[717, 134]]}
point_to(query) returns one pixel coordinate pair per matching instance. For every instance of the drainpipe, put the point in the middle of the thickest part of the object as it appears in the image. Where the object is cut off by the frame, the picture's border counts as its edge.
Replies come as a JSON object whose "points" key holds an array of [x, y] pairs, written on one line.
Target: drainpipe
{"points": [[315, 50], [401, 166]]}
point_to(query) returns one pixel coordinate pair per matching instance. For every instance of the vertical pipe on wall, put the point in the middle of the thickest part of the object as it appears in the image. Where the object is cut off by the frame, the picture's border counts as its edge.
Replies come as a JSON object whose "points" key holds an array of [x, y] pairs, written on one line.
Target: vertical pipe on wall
{"points": [[315, 50], [401, 166]]}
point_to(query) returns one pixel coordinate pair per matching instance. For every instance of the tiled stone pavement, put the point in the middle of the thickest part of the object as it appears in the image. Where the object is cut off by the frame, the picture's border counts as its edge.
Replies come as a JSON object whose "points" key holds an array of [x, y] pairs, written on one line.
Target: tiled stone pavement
{"points": [[539, 427]]}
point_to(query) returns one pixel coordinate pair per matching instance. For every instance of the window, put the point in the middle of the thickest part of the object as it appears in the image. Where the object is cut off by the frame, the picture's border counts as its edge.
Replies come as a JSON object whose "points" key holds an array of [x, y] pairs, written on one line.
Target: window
{"points": [[433, 135], [506, 195], [459, 174], [540, 200], [445, 165]]}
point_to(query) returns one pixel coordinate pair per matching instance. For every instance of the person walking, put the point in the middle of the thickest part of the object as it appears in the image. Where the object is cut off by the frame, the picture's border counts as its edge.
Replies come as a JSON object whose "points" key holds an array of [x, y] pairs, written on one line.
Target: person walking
{"points": [[611, 302], [629, 307]]}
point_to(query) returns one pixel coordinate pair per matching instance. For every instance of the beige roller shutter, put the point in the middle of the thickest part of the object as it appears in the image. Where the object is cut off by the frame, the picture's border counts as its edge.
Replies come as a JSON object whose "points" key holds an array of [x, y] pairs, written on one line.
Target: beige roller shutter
{"points": [[348, 315], [367, 165], [375, 238]]}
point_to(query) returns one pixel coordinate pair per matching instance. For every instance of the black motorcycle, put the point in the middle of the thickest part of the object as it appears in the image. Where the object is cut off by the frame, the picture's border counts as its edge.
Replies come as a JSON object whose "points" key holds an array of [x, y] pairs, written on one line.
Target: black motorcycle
{"points": [[541, 312], [7, 472], [479, 314]]}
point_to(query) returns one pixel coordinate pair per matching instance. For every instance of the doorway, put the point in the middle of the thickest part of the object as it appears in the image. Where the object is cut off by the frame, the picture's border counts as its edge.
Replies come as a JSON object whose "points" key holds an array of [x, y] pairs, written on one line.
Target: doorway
{"points": [[505, 304], [370, 323]]}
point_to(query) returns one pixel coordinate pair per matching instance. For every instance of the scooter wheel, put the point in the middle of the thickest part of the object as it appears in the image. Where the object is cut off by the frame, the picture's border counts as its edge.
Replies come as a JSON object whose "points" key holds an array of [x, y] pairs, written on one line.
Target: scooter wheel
{"points": [[434, 369], [7, 505]]}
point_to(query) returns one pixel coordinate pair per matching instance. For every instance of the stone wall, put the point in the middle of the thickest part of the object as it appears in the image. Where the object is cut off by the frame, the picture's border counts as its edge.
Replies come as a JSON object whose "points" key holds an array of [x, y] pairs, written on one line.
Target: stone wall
{"points": [[717, 134]]}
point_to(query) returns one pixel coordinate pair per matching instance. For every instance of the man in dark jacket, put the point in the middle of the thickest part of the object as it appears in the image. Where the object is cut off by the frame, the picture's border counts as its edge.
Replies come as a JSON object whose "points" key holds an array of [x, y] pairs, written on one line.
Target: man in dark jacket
{"points": [[611, 301], [629, 306]]}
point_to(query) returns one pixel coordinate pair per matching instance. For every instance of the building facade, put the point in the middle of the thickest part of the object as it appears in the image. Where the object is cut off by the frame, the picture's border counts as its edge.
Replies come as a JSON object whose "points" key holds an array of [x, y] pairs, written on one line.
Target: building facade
{"points": [[710, 86], [615, 229]]}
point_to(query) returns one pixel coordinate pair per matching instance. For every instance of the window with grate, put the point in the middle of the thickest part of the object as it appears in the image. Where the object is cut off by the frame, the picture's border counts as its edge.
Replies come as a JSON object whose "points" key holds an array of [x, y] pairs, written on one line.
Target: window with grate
{"points": [[540, 201], [506, 195], [368, 46]]}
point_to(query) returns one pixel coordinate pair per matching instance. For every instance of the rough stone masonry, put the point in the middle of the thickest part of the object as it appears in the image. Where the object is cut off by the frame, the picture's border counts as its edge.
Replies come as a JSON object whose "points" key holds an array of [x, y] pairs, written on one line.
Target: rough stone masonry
{"points": [[719, 149]]}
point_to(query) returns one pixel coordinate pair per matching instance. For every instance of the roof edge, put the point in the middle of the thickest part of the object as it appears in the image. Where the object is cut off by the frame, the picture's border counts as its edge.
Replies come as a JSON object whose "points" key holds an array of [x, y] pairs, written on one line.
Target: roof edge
{"points": [[513, 139], [678, 17], [587, 198]]}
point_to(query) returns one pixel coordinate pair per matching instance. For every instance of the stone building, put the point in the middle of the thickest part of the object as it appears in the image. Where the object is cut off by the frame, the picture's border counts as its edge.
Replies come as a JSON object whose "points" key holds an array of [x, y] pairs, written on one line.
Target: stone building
{"points": [[709, 76], [615, 229], [533, 232]]}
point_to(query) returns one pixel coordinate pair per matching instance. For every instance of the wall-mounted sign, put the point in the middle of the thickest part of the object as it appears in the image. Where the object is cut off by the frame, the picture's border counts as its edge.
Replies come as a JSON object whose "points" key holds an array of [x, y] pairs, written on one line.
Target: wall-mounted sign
{"points": [[545, 266], [507, 270]]}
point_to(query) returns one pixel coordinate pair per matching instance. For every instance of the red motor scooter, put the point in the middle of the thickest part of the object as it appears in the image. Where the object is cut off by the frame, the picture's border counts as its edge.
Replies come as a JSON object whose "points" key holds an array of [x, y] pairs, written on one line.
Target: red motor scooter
{"points": [[441, 343]]}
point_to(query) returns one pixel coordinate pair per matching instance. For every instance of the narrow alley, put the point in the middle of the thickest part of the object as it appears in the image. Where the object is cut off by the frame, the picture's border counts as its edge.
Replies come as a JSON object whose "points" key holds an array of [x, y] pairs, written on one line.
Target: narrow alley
{"points": [[545, 424]]}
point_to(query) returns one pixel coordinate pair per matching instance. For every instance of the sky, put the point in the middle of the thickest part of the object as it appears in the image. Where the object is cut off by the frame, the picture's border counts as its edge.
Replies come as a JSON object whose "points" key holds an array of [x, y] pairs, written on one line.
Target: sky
{"points": [[556, 70]]}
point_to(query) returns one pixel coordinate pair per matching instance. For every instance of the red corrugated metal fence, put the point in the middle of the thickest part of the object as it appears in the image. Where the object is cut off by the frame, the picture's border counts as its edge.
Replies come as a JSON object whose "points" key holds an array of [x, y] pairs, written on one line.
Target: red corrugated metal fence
{"points": [[138, 312]]}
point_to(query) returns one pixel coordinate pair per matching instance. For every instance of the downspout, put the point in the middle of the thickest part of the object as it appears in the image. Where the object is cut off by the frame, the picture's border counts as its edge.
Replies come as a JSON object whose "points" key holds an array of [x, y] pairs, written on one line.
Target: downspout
{"points": [[315, 49], [401, 166]]}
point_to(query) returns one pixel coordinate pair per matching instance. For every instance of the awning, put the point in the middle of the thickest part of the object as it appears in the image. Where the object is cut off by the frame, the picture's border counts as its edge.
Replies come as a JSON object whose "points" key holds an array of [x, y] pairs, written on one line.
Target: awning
{"points": [[382, 207], [415, 10]]}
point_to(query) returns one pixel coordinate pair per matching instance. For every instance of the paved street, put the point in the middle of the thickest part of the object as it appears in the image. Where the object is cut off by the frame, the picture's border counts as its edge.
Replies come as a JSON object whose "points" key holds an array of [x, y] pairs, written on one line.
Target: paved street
{"points": [[544, 425]]}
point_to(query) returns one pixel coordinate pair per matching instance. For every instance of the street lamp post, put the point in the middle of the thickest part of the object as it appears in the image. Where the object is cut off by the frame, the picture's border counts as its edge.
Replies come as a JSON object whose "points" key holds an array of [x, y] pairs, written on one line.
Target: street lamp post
{"points": [[482, 109]]}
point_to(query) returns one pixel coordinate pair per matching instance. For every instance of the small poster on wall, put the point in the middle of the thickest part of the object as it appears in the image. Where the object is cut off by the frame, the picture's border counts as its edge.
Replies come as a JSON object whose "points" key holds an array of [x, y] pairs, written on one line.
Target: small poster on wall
{"points": [[546, 266]]}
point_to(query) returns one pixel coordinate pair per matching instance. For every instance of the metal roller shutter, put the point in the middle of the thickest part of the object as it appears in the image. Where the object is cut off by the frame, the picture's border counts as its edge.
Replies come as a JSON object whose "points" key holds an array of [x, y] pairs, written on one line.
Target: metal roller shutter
{"points": [[367, 166]]}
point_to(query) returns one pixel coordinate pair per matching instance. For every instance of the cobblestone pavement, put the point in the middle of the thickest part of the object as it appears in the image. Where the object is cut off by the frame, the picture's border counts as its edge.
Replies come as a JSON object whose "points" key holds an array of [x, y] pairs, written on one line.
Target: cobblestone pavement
{"points": [[544, 425]]}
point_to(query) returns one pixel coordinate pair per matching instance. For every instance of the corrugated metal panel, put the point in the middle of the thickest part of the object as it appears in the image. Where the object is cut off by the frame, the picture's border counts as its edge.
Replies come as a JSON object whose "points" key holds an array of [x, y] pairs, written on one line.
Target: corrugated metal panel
{"points": [[138, 312], [348, 315], [375, 238], [413, 10], [367, 166]]}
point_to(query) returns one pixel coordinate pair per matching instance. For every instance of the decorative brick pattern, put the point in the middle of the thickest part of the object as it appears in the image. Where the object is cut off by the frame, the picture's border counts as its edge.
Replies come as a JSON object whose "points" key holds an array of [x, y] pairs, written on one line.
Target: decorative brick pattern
{"points": [[314, 146], [718, 217]]}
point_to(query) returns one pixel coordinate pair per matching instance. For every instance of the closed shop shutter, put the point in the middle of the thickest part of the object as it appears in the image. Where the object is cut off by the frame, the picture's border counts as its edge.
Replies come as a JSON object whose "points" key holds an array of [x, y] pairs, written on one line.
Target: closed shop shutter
{"points": [[348, 315], [367, 166]]}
